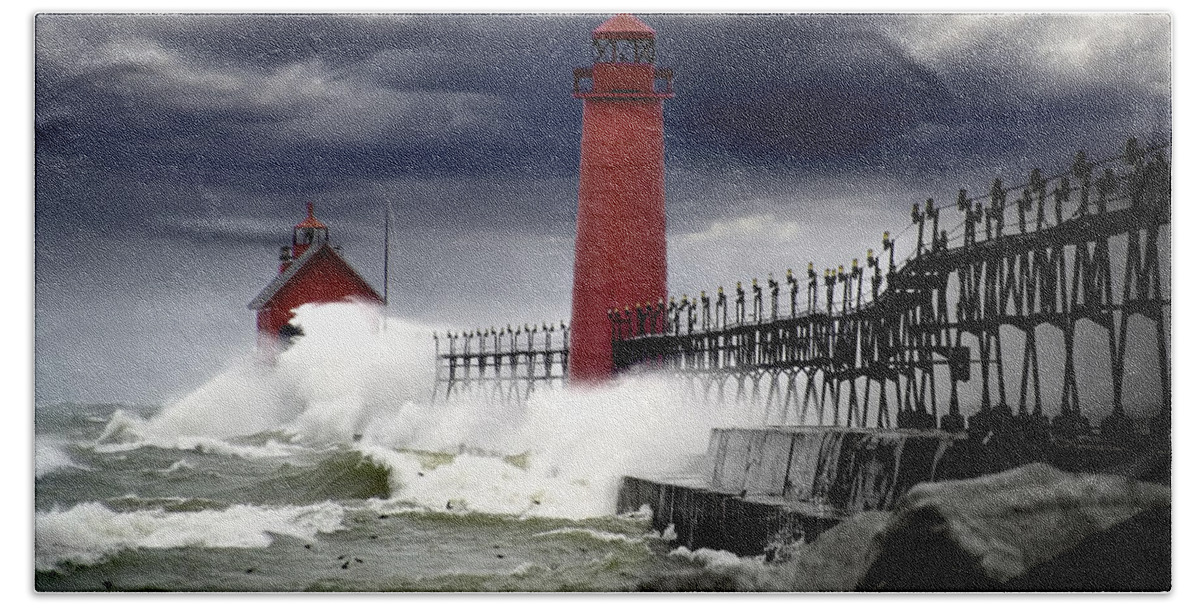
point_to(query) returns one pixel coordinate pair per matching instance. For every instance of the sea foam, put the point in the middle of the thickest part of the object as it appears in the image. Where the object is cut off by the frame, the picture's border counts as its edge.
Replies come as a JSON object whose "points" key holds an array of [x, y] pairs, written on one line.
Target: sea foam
{"points": [[90, 532]]}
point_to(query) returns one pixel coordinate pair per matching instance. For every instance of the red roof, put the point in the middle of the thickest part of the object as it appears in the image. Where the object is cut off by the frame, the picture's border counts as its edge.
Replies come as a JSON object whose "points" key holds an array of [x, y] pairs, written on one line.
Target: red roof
{"points": [[320, 247], [311, 221], [625, 27]]}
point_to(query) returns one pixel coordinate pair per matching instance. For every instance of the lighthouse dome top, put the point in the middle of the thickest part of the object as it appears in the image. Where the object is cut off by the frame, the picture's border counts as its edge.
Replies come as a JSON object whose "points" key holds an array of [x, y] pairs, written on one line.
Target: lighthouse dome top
{"points": [[624, 27], [311, 221]]}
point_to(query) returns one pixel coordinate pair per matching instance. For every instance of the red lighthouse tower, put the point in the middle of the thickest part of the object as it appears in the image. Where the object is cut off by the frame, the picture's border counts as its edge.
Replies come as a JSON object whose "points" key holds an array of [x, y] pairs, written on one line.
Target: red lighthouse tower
{"points": [[621, 242], [311, 270]]}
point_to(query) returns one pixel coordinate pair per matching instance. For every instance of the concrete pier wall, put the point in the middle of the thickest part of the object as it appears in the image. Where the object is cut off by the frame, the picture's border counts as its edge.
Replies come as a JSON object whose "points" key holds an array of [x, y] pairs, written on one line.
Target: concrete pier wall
{"points": [[846, 469], [701, 517], [760, 487]]}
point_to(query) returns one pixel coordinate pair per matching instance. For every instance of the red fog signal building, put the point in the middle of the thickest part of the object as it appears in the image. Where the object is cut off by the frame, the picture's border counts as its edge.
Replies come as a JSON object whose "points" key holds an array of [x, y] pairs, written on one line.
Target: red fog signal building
{"points": [[312, 270]]}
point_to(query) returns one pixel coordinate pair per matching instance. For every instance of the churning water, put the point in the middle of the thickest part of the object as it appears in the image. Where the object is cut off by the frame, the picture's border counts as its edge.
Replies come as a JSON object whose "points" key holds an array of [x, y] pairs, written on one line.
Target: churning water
{"points": [[333, 469]]}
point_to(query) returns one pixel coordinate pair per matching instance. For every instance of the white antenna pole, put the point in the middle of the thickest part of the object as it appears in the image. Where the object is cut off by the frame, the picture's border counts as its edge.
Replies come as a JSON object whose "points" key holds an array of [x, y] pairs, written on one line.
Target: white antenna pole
{"points": [[387, 249]]}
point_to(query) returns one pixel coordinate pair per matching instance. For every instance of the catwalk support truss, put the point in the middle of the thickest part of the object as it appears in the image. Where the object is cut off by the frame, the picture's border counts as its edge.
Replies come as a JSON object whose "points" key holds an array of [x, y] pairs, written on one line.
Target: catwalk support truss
{"points": [[899, 345]]}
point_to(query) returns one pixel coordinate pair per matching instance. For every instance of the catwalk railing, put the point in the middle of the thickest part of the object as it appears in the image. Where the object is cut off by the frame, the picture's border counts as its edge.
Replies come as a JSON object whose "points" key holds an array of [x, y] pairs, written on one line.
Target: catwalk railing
{"points": [[506, 365], [1054, 252]]}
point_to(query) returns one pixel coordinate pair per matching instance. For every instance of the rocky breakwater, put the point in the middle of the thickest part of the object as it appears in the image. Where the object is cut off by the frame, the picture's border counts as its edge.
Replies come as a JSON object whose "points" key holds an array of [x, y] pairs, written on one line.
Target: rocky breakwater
{"points": [[1033, 528]]}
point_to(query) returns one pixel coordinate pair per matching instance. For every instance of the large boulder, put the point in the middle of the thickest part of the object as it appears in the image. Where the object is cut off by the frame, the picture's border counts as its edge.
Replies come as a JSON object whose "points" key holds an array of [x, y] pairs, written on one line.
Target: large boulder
{"points": [[1134, 555], [837, 558], [1017, 530]]}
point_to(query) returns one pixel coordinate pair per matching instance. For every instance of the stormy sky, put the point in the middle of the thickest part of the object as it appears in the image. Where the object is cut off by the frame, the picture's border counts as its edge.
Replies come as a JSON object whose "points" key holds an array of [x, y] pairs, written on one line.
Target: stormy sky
{"points": [[174, 152]]}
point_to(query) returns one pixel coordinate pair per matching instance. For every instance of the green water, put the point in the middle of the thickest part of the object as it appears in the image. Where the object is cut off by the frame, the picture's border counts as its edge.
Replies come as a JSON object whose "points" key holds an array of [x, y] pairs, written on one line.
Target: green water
{"points": [[262, 513]]}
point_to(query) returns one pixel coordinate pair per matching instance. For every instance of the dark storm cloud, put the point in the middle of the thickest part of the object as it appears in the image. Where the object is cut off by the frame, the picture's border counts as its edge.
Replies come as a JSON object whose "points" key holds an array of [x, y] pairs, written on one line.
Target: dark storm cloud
{"points": [[787, 89], [916, 93], [329, 84], [272, 108], [1033, 88], [289, 106]]}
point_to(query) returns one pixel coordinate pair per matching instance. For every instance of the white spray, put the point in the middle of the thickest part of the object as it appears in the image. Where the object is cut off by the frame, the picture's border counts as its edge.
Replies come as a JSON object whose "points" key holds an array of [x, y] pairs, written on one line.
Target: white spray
{"points": [[352, 375]]}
